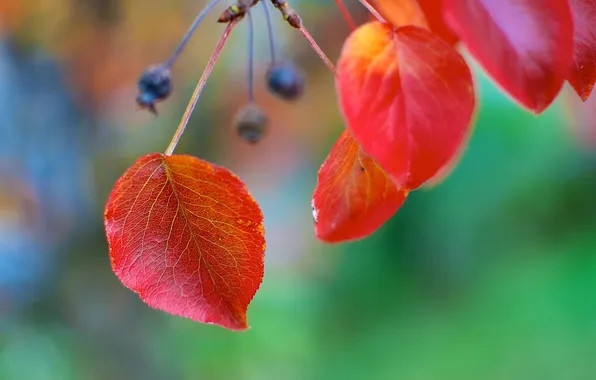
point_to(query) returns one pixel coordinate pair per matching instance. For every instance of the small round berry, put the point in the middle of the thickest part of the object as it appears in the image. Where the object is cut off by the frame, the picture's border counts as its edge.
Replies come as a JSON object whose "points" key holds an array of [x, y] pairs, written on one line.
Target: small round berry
{"points": [[285, 80], [251, 123], [155, 85]]}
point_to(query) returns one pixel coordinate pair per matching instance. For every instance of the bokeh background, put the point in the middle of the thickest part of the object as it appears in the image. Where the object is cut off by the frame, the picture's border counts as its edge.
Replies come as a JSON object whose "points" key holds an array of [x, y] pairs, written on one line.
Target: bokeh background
{"points": [[489, 275]]}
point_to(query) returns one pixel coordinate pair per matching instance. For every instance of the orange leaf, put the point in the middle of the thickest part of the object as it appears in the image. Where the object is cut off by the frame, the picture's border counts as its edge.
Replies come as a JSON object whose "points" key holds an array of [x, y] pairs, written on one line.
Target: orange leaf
{"points": [[402, 12], [583, 71], [187, 237], [407, 98], [353, 197], [423, 13]]}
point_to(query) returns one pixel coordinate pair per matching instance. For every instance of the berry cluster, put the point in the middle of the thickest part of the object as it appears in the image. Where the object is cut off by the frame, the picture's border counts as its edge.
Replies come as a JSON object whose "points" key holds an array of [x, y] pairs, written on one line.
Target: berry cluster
{"points": [[284, 79]]}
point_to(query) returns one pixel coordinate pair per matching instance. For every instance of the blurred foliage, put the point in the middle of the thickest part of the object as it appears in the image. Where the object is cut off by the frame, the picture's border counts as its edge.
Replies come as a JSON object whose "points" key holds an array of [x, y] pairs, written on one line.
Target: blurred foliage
{"points": [[489, 275]]}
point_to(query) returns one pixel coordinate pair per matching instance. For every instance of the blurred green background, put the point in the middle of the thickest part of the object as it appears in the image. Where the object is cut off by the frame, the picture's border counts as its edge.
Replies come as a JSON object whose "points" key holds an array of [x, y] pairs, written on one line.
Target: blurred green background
{"points": [[489, 275]]}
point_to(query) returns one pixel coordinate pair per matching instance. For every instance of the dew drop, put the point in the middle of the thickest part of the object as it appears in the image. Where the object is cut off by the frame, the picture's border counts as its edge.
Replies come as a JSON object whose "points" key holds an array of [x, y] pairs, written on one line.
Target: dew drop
{"points": [[315, 211]]}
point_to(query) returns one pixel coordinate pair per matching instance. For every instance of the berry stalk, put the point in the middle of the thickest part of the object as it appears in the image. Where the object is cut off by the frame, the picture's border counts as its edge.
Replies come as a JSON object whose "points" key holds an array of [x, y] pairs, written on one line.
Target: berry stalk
{"points": [[269, 30], [190, 32], [251, 58]]}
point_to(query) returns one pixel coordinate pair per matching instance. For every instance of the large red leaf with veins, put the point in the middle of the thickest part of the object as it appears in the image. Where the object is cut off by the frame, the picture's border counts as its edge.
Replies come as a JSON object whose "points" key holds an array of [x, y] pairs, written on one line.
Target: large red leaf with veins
{"points": [[583, 70], [407, 97], [525, 45], [354, 196], [187, 237]]}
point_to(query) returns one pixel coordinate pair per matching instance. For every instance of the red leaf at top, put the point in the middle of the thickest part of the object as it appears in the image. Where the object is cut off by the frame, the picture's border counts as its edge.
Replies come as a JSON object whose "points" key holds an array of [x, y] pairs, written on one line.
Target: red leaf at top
{"points": [[407, 97], [433, 10], [525, 45], [402, 12], [583, 69], [187, 237], [422, 13], [353, 197]]}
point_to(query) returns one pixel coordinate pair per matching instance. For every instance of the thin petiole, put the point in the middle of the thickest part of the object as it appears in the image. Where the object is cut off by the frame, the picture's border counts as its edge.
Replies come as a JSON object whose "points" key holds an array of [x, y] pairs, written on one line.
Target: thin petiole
{"points": [[372, 10], [346, 14], [317, 49], [251, 57], [190, 32], [269, 30], [200, 85]]}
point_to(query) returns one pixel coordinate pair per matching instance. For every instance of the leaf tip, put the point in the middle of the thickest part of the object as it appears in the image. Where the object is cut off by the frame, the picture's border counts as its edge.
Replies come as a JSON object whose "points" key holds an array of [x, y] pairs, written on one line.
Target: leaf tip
{"points": [[585, 92]]}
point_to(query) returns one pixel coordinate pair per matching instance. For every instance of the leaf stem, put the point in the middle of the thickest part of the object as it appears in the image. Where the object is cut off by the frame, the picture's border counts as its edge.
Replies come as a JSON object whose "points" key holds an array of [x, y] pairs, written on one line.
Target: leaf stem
{"points": [[190, 32], [251, 57], [269, 30], [199, 88], [346, 14], [317, 49], [372, 10], [293, 18]]}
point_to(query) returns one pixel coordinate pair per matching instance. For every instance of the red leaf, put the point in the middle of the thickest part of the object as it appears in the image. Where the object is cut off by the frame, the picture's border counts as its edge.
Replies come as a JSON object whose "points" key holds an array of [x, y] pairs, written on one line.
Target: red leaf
{"points": [[407, 97], [353, 197], [433, 10], [187, 237], [583, 70], [525, 45], [422, 13], [450, 166]]}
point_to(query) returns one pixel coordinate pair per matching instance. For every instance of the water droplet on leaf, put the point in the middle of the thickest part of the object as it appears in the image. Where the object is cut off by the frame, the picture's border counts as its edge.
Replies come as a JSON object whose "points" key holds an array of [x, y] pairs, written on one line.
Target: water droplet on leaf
{"points": [[315, 211]]}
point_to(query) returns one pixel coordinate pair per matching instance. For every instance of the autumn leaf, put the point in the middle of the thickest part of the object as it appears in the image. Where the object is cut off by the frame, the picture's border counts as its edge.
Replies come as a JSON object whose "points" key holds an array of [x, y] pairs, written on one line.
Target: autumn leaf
{"points": [[526, 46], [423, 13], [353, 196], [433, 11], [407, 97], [583, 69], [187, 237], [450, 166], [401, 12]]}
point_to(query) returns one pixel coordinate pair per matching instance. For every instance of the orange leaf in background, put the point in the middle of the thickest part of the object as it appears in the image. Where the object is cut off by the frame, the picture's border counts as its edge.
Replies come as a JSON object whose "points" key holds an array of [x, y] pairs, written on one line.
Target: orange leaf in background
{"points": [[11, 12], [423, 13], [402, 12], [407, 98], [187, 237], [583, 69], [353, 197], [525, 45], [433, 10]]}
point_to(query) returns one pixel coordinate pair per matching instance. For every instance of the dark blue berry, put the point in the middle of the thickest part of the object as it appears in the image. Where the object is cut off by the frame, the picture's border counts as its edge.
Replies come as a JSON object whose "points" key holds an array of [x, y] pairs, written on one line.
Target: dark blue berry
{"points": [[285, 80], [251, 124], [155, 85]]}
